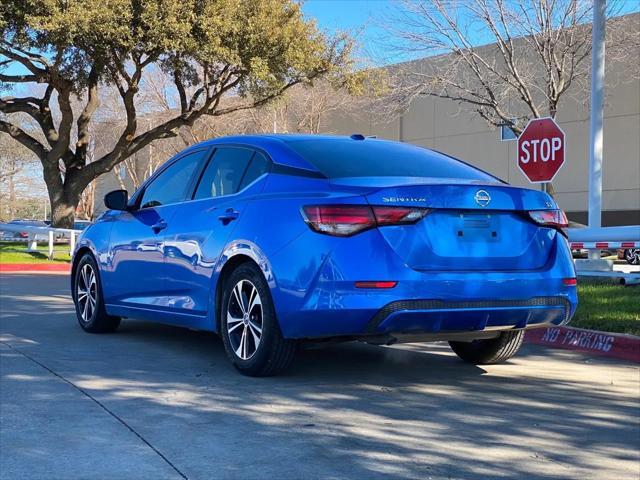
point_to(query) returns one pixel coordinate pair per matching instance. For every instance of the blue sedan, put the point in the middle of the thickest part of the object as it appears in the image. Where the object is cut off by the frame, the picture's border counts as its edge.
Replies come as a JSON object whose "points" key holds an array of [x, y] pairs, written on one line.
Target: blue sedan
{"points": [[272, 240]]}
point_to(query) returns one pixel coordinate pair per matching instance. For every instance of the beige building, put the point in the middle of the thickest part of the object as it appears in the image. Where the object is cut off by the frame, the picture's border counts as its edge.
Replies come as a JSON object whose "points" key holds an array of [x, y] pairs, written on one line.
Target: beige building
{"points": [[441, 125]]}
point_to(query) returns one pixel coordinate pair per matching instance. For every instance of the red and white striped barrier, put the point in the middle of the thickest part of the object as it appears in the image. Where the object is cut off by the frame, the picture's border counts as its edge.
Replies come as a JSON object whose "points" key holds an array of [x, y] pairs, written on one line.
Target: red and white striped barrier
{"points": [[603, 245]]}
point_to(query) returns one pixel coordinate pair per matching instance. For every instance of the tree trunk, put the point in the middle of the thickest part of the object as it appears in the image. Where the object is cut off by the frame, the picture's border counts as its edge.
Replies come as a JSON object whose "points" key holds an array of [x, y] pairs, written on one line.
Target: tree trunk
{"points": [[63, 205], [12, 192], [62, 213]]}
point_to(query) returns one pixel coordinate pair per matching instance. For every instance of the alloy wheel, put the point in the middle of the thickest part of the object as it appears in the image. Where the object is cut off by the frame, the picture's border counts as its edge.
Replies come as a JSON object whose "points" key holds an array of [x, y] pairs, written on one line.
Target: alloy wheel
{"points": [[244, 319], [86, 292], [633, 256]]}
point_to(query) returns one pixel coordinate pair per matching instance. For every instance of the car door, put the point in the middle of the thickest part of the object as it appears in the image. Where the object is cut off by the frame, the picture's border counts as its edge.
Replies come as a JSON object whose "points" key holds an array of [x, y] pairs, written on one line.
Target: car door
{"points": [[203, 227], [136, 278]]}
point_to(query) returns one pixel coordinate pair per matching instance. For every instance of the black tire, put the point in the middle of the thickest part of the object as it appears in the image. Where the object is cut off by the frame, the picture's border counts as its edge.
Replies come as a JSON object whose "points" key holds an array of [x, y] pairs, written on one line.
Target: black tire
{"points": [[272, 354], [491, 350], [97, 320]]}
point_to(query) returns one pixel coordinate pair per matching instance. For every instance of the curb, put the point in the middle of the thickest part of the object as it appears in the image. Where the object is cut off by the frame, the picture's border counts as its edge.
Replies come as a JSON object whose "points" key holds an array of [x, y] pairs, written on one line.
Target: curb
{"points": [[613, 345], [35, 267]]}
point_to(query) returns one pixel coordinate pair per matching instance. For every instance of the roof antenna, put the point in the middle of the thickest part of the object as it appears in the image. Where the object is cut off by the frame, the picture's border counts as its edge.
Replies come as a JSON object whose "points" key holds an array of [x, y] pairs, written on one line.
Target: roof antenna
{"points": [[357, 136]]}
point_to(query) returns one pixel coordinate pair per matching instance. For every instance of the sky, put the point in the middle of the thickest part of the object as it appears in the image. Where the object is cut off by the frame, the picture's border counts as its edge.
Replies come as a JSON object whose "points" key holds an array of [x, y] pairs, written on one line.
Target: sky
{"points": [[362, 17], [366, 17]]}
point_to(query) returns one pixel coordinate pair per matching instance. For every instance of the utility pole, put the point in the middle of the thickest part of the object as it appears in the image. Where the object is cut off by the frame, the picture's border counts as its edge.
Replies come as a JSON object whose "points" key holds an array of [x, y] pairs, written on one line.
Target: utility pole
{"points": [[597, 117], [597, 113]]}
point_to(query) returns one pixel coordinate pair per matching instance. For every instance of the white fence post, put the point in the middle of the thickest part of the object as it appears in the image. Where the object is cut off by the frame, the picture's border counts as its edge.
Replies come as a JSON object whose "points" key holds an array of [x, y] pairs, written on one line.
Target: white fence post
{"points": [[51, 244], [32, 244], [72, 243]]}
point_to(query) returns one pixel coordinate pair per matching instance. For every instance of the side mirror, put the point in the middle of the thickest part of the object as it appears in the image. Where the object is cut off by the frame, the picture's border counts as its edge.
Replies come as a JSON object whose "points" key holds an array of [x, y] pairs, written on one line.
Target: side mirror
{"points": [[116, 200]]}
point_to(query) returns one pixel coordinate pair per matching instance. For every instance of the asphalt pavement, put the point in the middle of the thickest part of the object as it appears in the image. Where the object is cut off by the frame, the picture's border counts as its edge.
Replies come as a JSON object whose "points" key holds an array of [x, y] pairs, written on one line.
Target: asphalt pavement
{"points": [[157, 402]]}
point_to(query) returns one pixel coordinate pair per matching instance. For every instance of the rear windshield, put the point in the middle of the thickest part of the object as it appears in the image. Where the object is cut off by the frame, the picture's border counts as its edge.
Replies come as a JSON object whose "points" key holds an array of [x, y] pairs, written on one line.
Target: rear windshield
{"points": [[337, 158]]}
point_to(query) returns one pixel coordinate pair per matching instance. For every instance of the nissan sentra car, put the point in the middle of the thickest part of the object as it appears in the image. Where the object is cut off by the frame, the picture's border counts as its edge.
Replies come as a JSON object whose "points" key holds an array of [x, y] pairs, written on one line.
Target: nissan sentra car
{"points": [[273, 240]]}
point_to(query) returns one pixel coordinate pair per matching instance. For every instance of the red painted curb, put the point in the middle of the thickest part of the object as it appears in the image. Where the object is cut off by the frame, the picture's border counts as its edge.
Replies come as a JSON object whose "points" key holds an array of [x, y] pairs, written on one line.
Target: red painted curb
{"points": [[615, 345], [35, 267]]}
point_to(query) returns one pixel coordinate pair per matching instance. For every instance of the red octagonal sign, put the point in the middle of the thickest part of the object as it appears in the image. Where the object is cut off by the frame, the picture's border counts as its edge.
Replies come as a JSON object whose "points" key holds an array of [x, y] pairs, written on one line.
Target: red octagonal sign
{"points": [[541, 150]]}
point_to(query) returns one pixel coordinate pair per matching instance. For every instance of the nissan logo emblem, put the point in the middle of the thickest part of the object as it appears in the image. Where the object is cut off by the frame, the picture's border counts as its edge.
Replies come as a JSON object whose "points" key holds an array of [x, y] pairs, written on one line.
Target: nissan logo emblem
{"points": [[482, 198]]}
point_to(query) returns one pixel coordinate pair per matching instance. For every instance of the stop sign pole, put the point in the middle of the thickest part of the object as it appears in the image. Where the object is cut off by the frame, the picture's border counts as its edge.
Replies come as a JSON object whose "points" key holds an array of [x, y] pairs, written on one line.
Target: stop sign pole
{"points": [[541, 150]]}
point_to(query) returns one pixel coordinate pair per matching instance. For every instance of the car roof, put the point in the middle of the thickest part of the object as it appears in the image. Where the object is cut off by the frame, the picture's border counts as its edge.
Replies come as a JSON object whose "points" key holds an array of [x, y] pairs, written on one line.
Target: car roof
{"points": [[275, 145]]}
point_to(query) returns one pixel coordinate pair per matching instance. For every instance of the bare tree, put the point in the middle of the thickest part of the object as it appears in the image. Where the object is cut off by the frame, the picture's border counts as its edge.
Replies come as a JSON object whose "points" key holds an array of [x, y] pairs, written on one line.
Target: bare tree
{"points": [[303, 108], [14, 159], [537, 53]]}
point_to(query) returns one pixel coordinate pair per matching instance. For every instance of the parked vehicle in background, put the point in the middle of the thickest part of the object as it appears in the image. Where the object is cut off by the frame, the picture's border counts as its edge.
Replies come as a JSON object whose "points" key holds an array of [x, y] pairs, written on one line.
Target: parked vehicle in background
{"points": [[29, 223], [276, 239], [81, 224], [631, 255]]}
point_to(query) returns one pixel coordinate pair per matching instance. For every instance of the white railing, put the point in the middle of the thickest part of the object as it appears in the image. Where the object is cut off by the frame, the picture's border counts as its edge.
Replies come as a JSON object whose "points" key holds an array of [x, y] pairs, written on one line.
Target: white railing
{"points": [[595, 239], [50, 232], [605, 237]]}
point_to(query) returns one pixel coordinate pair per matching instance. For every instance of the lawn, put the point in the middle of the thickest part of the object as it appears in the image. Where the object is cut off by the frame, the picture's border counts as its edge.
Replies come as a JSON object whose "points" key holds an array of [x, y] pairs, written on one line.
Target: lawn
{"points": [[608, 307], [16, 252]]}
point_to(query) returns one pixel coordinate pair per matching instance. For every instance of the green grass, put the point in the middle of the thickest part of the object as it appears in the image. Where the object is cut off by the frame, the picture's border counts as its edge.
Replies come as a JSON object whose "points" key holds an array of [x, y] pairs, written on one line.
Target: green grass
{"points": [[608, 307], [16, 252]]}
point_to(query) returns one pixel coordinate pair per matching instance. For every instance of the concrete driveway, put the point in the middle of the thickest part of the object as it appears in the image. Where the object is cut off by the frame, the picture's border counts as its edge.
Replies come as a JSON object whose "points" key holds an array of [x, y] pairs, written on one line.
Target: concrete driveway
{"points": [[155, 402]]}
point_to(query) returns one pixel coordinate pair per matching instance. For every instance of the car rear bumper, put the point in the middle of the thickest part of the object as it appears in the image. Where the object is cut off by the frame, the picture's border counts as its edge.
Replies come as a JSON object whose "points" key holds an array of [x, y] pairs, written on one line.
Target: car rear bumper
{"points": [[435, 316], [439, 319], [323, 300]]}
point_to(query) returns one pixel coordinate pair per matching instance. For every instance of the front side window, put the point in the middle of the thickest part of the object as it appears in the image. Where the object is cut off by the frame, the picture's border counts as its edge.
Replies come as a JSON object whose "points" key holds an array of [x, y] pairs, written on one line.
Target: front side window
{"points": [[225, 172], [172, 185]]}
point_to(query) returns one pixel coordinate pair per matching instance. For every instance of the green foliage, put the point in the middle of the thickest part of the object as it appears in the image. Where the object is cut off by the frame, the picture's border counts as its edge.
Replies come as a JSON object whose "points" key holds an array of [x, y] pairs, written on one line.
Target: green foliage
{"points": [[266, 42]]}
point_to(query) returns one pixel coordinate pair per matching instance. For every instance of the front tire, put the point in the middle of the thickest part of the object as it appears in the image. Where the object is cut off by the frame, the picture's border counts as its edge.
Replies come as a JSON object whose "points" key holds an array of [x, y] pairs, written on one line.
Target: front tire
{"points": [[249, 327], [88, 298], [489, 351]]}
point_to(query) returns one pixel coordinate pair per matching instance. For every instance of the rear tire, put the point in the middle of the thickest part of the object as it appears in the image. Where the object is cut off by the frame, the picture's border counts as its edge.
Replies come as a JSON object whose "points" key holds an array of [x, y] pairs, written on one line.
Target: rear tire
{"points": [[88, 298], [248, 325], [489, 351]]}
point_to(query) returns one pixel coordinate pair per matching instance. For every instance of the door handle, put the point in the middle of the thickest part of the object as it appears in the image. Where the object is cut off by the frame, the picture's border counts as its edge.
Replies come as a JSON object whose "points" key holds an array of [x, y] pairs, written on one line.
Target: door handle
{"points": [[228, 216], [158, 227]]}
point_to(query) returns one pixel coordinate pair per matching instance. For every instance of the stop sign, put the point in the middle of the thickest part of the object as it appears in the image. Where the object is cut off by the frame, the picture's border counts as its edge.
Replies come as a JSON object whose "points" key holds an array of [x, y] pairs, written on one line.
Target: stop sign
{"points": [[541, 150]]}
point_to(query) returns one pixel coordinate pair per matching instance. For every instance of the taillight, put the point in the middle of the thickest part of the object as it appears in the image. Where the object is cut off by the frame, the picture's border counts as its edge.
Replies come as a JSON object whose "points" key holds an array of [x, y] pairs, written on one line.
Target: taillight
{"points": [[550, 218], [346, 220], [386, 215]]}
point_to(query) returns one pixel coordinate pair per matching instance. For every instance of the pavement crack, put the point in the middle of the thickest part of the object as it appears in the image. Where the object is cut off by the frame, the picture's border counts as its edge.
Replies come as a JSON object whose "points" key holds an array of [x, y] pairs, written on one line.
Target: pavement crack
{"points": [[101, 405]]}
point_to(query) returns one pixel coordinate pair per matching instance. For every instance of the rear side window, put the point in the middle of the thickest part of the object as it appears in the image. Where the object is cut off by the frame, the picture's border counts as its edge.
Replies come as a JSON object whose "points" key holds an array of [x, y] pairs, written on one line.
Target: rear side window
{"points": [[337, 158], [224, 173], [172, 185], [259, 165]]}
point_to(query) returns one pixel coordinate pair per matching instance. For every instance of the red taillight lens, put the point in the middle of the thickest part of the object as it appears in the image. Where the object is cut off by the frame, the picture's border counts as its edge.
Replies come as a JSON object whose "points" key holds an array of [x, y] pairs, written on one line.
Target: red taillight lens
{"points": [[570, 282], [340, 220], [398, 215], [549, 218], [346, 220]]}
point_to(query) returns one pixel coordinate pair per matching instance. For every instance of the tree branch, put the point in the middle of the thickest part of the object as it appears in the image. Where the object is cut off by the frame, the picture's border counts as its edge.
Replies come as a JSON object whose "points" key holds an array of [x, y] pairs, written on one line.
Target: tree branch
{"points": [[24, 138]]}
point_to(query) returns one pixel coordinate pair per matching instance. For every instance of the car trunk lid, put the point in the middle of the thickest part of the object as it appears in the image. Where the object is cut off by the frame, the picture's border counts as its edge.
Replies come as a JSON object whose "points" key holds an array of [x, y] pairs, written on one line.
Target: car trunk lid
{"points": [[472, 226]]}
